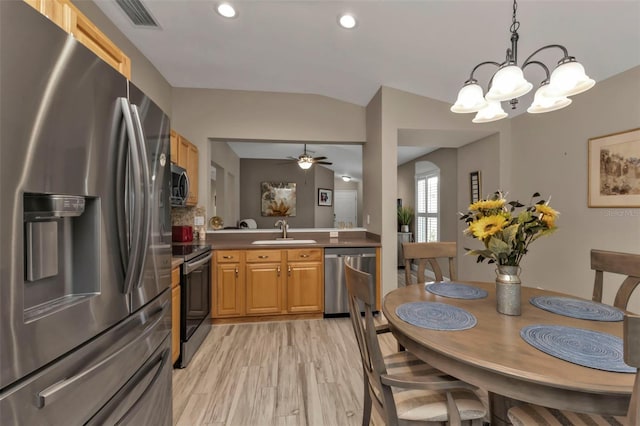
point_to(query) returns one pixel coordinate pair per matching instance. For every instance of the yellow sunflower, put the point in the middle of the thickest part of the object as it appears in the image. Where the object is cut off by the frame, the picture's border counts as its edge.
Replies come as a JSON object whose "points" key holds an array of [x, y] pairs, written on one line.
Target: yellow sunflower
{"points": [[487, 226], [487, 205], [547, 214]]}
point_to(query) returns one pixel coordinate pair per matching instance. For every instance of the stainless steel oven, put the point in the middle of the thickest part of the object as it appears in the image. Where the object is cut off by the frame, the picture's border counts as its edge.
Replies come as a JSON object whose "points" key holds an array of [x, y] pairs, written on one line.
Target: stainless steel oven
{"points": [[195, 298]]}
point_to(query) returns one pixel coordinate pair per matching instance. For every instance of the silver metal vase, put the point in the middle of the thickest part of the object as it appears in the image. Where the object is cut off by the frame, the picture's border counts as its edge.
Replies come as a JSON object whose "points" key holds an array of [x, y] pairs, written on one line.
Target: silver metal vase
{"points": [[508, 289]]}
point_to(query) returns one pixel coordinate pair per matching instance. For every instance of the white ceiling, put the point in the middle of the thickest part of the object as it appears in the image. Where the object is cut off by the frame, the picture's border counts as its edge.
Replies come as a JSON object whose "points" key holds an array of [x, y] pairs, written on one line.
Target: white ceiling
{"points": [[426, 47]]}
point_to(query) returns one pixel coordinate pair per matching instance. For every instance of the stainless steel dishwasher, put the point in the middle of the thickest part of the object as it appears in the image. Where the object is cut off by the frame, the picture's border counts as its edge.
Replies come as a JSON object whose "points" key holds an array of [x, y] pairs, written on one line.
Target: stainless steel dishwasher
{"points": [[335, 286]]}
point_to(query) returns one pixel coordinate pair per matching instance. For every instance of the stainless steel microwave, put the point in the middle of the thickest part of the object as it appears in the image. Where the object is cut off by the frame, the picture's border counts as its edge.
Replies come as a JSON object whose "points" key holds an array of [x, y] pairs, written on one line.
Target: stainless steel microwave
{"points": [[179, 186]]}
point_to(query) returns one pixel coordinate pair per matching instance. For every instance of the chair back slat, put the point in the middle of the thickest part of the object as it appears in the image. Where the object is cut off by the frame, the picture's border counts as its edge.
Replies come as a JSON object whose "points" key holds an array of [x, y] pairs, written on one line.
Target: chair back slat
{"points": [[429, 253], [617, 263], [632, 359], [361, 288]]}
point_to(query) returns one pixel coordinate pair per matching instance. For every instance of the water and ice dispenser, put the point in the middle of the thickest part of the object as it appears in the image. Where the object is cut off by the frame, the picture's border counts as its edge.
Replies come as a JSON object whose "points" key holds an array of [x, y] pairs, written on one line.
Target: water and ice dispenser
{"points": [[60, 251]]}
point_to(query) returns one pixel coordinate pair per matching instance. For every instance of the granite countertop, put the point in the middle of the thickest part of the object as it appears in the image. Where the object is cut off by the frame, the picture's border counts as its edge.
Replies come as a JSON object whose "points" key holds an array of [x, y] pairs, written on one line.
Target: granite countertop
{"points": [[243, 240]]}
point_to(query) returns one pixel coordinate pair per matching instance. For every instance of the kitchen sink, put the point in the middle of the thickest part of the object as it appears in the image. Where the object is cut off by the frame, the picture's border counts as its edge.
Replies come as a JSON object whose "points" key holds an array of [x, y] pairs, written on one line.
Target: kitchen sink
{"points": [[282, 241]]}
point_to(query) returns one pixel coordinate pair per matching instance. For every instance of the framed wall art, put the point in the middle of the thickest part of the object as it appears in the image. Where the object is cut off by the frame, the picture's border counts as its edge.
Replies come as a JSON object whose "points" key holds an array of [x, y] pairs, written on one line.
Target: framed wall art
{"points": [[278, 198], [325, 197], [475, 186], [614, 170]]}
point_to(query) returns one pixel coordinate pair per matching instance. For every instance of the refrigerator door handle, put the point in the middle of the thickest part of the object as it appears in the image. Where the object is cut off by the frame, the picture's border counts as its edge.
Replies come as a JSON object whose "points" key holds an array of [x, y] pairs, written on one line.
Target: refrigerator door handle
{"points": [[157, 365], [53, 392], [122, 192], [131, 275], [146, 184]]}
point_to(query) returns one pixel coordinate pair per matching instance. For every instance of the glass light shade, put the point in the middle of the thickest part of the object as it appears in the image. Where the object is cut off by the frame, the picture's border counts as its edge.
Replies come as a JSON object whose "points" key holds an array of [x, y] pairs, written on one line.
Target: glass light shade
{"points": [[470, 99], [492, 112], [543, 101], [508, 83], [305, 164], [346, 178], [569, 79]]}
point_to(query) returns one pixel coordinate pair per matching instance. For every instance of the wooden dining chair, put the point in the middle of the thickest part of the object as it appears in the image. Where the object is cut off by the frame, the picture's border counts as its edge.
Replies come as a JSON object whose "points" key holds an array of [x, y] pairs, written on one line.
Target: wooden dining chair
{"points": [[429, 253], [404, 390], [529, 414], [617, 263]]}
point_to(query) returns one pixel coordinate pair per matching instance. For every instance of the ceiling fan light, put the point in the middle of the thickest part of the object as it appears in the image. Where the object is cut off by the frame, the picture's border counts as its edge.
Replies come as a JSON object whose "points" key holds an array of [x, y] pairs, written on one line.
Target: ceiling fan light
{"points": [[569, 78], [492, 112], [305, 163], [470, 99], [544, 101], [508, 83], [346, 178]]}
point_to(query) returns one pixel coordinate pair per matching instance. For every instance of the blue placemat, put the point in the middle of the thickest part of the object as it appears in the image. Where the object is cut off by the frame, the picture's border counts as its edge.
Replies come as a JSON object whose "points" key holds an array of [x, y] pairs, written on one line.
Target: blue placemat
{"points": [[576, 308], [588, 348], [456, 290], [436, 316]]}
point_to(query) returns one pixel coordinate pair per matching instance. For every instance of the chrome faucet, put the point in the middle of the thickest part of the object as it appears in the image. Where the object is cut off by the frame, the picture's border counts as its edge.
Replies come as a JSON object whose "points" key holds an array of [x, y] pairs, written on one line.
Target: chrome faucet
{"points": [[283, 226]]}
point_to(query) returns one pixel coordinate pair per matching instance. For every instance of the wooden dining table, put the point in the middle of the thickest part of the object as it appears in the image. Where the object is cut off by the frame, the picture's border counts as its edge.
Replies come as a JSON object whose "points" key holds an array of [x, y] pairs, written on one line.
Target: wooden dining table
{"points": [[492, 355]]}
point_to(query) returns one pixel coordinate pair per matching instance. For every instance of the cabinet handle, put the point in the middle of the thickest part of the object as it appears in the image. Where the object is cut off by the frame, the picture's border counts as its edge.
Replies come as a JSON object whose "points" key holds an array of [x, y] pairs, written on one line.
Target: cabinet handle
{"points": [[304, 255], [289, 270], [236, 272], [263, 256], [227, 257], [278, 270]]}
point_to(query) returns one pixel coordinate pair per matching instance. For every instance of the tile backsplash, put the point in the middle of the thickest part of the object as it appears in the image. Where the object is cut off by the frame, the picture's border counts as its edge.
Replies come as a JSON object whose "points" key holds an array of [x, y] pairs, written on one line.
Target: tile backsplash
{"points": [[182, 216]]}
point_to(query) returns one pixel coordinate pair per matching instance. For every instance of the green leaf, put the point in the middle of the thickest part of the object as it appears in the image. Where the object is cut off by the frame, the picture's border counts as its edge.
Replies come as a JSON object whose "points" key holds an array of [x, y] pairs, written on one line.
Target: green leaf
{"points": [[498, 246], [509, 233]]}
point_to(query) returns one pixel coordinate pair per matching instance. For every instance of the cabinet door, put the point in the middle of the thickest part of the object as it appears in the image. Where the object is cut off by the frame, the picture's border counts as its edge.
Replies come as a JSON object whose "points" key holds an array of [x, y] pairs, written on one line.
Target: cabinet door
{"points": [[229, 293], [174, 147], [183, 152], [192, 172], [175, 324], [56, 10], [264, 288], [305, 289]]}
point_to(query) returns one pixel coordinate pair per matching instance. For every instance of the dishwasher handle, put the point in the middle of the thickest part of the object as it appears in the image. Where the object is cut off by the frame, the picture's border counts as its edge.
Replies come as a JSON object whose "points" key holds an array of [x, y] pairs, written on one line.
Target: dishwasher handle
{"points": [[337, 256]]}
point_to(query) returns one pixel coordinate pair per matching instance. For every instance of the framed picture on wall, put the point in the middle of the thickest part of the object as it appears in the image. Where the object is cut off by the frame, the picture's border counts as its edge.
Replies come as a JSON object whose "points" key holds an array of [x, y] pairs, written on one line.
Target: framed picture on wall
{"points": [[325, 197], [475, 186], [614, 170], [278, 198]]}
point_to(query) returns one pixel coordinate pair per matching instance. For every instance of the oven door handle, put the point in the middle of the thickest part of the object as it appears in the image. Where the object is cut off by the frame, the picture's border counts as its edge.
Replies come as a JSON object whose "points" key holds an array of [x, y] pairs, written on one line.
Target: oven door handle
{"points": [[190, 267]]}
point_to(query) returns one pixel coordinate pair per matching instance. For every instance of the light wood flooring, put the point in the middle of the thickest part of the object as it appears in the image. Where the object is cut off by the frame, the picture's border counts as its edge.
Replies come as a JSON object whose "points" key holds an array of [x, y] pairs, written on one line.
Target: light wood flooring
{"points": [[291, 373]]}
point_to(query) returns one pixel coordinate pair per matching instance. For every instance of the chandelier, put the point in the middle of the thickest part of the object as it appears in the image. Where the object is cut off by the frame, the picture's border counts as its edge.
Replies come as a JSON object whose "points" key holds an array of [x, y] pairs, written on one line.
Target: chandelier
{"points": [[508, 83]]}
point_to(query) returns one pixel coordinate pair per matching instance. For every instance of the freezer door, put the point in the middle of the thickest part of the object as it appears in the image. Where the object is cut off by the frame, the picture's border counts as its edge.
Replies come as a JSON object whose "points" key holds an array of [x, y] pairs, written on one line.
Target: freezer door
{"points": [[72, 390], [156, 261], [60, 133]]}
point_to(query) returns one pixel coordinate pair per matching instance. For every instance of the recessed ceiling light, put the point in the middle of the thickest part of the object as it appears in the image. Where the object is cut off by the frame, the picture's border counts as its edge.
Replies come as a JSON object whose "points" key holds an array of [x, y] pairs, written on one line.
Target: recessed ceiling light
{"points": [[226, 10], [347, 21], [346, 178]]}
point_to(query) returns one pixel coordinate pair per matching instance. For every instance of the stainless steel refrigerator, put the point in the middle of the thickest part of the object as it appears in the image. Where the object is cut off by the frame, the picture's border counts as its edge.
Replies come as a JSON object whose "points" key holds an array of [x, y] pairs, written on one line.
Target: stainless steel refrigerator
{"points": [[85, 247]]}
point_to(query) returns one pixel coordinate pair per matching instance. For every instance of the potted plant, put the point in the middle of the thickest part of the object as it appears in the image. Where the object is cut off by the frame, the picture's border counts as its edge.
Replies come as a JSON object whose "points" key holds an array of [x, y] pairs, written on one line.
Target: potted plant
{"points": [[405, 216]]}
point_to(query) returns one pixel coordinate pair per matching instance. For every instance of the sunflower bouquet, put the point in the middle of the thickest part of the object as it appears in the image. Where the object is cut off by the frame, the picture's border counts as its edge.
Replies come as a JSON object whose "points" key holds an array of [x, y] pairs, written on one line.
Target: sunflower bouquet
{"points": [[506, 229]]}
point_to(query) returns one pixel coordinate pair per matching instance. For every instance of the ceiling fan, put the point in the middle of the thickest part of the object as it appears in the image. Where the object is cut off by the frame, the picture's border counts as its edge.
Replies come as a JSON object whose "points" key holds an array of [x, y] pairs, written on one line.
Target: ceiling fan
{"points": [[305, 161]]}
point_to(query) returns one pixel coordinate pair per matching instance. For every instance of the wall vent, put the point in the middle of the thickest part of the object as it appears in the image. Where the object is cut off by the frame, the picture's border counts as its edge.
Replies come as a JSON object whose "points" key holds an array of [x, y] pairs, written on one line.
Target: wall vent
{"points": [[138, 14]]}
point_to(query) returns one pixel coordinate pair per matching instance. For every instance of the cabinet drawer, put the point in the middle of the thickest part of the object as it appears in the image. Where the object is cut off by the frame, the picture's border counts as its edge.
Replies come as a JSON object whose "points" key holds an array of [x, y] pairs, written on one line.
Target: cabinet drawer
{"points": [[228, 256], [304, 254], [255, 256], [175, 277]]}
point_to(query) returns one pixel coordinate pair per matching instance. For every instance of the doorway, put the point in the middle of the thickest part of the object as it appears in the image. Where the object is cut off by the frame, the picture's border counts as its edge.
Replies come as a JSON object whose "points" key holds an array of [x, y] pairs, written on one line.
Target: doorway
{"points": [[345, 210]]}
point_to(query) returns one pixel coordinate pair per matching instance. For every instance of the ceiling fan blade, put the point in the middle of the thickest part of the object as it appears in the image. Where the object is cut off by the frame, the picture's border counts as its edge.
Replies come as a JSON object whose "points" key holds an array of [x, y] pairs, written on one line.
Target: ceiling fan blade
{"points": [[319, 158], [292, 158], [323, 162]]}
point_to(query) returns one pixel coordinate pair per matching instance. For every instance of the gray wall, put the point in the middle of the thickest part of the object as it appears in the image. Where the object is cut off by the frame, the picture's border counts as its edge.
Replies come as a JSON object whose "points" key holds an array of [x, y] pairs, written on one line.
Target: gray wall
{"points": [[308, 213]]}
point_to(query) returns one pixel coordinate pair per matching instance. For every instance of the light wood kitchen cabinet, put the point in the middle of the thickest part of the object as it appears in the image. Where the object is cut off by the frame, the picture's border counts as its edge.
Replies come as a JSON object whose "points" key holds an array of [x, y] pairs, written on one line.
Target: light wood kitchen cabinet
{"points": [[268, 282], [228, 279], [175, 314], [68, 17], [192, 172], [186, 156], [305, 281], [264, 280]]}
